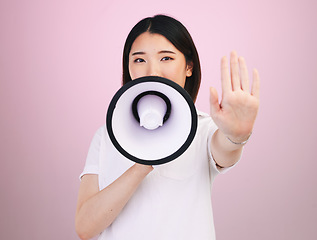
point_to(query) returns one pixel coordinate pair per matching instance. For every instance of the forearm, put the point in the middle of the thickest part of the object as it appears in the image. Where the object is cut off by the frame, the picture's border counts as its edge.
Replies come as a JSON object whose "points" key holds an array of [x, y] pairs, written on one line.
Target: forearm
{"points": [[224, 152], [99, 211]]}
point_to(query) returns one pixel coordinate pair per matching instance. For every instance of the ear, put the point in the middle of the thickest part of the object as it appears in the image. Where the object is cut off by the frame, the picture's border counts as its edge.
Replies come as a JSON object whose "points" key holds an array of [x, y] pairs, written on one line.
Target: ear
{"points": [[189, 69]]}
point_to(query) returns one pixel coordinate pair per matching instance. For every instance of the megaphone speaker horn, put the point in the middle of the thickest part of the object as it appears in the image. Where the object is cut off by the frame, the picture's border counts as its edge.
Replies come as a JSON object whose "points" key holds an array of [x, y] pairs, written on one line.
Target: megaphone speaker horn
{"points": [[151, 109], [151, 120]]}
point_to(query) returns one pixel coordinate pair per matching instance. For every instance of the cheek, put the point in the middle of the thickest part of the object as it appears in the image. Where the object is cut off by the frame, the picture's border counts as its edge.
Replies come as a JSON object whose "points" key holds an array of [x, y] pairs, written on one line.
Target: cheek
{"points": [[133, 72], [130, 72], [138, 70], [177, 75]]}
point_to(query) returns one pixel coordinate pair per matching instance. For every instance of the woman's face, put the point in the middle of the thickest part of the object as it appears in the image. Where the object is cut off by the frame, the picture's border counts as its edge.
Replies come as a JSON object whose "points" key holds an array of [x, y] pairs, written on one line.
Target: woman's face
{"points": [[153, 55]]}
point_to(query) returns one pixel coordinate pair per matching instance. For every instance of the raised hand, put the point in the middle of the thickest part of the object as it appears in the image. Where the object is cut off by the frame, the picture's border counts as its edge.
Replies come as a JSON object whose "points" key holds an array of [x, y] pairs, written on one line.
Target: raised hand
{"points": [[236, 113]]}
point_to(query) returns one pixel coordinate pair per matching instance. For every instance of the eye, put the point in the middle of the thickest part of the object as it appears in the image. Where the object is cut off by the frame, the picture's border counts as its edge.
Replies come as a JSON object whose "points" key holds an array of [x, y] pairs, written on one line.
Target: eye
{"points": [[139, 60], [166, 58]]}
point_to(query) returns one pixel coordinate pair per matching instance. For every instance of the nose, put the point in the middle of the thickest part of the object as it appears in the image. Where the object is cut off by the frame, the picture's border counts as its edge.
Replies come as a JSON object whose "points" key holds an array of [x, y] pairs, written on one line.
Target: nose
{"points": [[154, 70]]}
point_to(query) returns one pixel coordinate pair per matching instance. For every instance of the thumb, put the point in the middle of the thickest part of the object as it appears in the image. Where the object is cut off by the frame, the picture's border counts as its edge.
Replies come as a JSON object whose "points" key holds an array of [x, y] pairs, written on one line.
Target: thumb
{"points": [[214, 103]]}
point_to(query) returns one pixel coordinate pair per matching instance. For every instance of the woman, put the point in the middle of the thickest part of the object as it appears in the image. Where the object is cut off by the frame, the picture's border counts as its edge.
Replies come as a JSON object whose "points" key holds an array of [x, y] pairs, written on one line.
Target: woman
{"points": [[125, 200]]}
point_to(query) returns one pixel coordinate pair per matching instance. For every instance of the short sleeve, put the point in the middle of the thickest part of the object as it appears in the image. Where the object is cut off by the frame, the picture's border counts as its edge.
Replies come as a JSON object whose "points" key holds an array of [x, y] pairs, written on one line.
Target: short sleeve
{"points": [[92, 160]]}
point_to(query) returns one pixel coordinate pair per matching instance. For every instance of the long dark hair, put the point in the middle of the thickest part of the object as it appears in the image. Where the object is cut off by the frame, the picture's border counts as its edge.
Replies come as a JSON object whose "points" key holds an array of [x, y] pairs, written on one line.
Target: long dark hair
{"points": [[177, 34]]}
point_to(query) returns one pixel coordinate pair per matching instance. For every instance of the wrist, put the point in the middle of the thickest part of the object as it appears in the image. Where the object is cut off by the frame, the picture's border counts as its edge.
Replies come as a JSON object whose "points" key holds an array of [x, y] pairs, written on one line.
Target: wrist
{"points": [[143, 168], [239, 141]]}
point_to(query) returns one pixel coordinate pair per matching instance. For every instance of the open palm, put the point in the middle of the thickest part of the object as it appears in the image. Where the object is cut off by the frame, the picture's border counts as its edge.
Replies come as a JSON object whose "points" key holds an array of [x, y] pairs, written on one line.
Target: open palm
{"points": [[236, 113]]}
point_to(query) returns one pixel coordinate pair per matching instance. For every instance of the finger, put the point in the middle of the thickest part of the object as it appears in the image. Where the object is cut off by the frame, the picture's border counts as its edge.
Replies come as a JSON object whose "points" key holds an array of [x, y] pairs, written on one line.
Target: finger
{"points": [[256, 84], [214, 102], [244, 75], [234, 67], [225, 76]]}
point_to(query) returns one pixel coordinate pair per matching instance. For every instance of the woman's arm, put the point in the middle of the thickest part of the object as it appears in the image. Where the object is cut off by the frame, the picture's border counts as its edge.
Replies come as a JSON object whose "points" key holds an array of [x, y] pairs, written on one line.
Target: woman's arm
{"points": [[237, 111], [96, 210], [224, 152]]}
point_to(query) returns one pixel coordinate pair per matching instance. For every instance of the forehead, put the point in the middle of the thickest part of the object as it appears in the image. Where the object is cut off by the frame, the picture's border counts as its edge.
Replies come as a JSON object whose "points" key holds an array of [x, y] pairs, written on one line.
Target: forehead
{"points": [[148, 42]]}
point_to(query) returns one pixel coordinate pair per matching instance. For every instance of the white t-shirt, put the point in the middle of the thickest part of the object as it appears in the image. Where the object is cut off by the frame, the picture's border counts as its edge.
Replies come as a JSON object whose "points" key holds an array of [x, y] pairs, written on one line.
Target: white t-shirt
{"points": [[173, 202]]}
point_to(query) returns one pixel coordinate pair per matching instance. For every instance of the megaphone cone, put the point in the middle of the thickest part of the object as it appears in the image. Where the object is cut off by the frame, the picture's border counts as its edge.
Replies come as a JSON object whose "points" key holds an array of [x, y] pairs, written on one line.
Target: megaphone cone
{"points": [[151, 120]]}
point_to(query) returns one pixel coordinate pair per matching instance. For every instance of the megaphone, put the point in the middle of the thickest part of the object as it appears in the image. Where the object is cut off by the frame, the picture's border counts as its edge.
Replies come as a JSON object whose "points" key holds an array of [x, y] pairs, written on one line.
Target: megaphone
{"points": [[151, 120]]}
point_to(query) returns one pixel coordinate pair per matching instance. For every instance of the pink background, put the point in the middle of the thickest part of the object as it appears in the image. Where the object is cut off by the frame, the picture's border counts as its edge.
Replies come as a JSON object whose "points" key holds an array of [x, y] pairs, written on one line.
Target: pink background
{"points": [[60, 64]]}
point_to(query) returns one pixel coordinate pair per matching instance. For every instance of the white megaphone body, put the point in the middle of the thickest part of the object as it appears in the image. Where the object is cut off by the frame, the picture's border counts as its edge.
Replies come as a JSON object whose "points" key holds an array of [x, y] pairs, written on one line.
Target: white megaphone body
{"points": [[151, 120]]}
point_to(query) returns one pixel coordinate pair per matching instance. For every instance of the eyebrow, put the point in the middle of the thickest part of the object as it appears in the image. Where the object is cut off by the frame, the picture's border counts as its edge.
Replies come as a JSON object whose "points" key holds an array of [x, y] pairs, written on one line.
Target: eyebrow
{"points": [[167, 51], [138, 53], [163, 51]]}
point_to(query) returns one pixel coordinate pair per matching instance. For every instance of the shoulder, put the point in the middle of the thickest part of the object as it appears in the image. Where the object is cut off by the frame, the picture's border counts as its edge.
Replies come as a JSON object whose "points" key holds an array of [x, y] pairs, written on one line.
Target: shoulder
{"points": [[100, 131], [99, 134], [204, 119], [202, 114], [206, 126], [95, 142]]}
